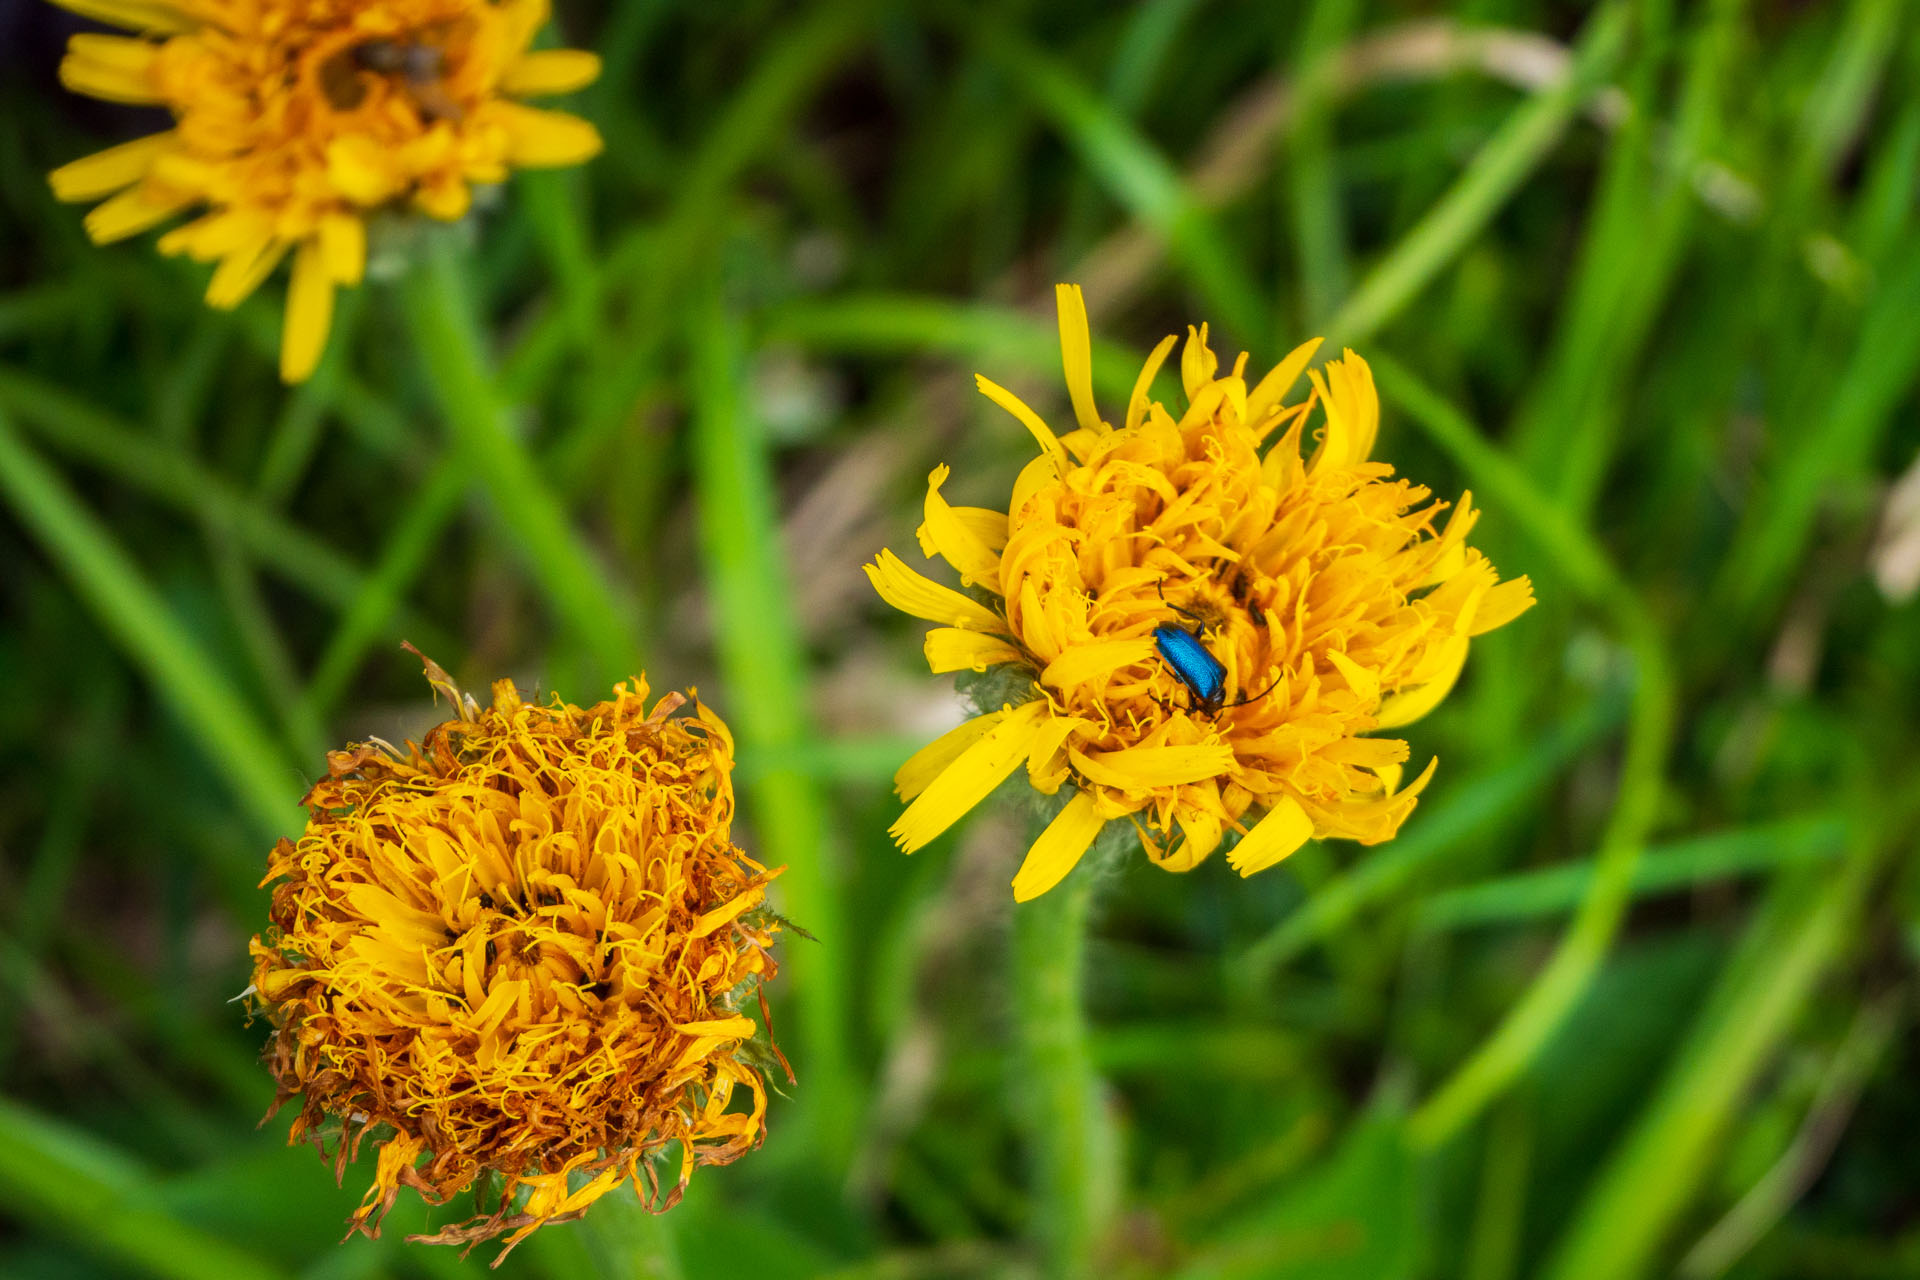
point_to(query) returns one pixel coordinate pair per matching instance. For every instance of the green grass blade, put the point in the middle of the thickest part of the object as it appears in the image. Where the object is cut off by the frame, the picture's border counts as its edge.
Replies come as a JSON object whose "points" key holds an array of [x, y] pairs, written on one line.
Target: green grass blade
{"points": [[1144, 182], [79, 429], [401, 561], [1580, 561], [1654, 1174], [989, 336], [1457, 814], [1662, 869], [764, 671], [1495, 174], [103, 575], [97, 1198], [444, 325]]}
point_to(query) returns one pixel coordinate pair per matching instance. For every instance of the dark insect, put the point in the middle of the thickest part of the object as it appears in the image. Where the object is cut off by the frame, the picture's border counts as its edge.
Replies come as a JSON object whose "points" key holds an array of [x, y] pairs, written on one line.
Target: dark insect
{"points": [[1191, 661], [419, 66]]}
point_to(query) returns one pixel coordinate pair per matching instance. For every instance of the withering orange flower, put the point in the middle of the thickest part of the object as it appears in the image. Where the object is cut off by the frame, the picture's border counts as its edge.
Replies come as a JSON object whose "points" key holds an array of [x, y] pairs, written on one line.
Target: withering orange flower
{"points": [[1329, 603], [296, 120], [522, 949]]}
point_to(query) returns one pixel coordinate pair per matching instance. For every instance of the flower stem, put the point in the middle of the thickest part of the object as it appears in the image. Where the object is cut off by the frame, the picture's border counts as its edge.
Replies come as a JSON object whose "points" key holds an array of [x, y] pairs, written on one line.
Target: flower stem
{"points": [[1070, 1143]]}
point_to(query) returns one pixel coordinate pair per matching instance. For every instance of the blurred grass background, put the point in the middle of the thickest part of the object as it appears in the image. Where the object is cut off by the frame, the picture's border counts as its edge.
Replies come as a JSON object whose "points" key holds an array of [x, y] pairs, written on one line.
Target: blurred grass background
{"points": [[1633, 993]]}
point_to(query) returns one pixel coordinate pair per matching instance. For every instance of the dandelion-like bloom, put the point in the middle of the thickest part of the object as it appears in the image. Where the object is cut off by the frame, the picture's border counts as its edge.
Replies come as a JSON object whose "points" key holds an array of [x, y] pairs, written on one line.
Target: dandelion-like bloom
{"points": [[1310, 599], [296, 120], [521, 948]]}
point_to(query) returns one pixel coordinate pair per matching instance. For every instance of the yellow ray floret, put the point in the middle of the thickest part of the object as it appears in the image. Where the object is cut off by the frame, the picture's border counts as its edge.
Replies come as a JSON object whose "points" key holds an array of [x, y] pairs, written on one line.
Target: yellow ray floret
{"points": [[515, 957], [297, 122], [1331, 599]]}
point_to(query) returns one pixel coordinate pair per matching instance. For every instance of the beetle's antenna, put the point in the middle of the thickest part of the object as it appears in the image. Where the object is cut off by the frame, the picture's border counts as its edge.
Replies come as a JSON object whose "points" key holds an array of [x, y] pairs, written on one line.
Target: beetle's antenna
{"points": [[1160, 591], [1256, 697]]}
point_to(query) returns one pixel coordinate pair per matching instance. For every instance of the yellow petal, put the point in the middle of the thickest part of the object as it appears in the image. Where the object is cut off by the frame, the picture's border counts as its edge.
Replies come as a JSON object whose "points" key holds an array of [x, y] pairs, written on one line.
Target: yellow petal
{"points": [[1076, 354], [551, 71], [1351, 382], [111, 68], [1197, 361], [945, 534], [343, 243], [1200, 836], [105, 172], [930, 761], [915, 594], [309, 314], [539, 139], [986, 524], [1144, 768], [159, 17], [1274, 838], [1407, 705], [953, 649], [1270, 393], [130, 213], [970, 779], [1042, 434], [1143, 385], [1047, 760], [1059, 848], [241, 272], [1087, 661], [708, 921], [1502, 605], [1364, 682], [361, 171]]}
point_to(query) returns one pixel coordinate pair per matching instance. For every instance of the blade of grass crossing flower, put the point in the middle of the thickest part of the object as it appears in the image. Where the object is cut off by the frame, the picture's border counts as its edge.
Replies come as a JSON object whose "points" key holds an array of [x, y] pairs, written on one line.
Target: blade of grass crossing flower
{"points": [[443, 323], [1655, 1172], [99, 1199], [765, 695], [1521, 144], [1586, 568], [101, 574]]}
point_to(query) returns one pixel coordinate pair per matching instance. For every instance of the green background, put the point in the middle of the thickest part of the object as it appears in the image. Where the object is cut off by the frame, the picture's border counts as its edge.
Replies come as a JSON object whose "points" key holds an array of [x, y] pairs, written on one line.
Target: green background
{"points": [[1632, 994]]}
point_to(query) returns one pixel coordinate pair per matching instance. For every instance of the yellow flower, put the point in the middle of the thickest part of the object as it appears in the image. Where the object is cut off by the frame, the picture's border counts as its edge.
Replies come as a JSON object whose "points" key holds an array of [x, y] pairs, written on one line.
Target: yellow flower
{"points": [[521, 948], [297, 119], [1329, 603]]}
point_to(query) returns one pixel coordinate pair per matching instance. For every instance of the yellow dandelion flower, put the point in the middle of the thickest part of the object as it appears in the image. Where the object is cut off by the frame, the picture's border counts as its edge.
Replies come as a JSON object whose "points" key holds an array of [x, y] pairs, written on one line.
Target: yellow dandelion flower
{"points": [[295, 120], [521, 949], [1196, 622]]}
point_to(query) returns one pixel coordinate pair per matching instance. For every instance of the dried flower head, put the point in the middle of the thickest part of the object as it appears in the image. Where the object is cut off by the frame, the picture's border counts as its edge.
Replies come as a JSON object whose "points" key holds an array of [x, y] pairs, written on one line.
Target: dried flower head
{"points": [[298, 119], [1191, 623], [521, 949]]}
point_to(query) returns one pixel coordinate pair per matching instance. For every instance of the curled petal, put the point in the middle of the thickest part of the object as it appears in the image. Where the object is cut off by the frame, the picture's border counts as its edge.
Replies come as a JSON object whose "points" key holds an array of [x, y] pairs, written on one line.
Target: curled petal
{"points": [[1059, 848]]}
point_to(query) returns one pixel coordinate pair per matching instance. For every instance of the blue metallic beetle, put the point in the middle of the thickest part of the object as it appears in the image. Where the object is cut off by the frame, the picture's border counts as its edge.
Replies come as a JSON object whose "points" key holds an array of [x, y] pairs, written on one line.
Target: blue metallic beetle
{"points": [[1195, 666]]}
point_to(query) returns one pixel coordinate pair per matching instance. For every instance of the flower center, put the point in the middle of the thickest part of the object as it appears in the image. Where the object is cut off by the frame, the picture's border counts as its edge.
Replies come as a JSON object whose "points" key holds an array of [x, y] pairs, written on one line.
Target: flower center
{"points": [[414, 66]]}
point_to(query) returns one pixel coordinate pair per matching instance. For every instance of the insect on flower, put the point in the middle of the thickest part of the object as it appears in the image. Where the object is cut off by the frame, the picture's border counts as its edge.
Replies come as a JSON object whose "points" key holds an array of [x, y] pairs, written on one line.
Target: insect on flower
{"points": [[297, 126], [1302, 566], [1204, 675], [419, 66]]}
